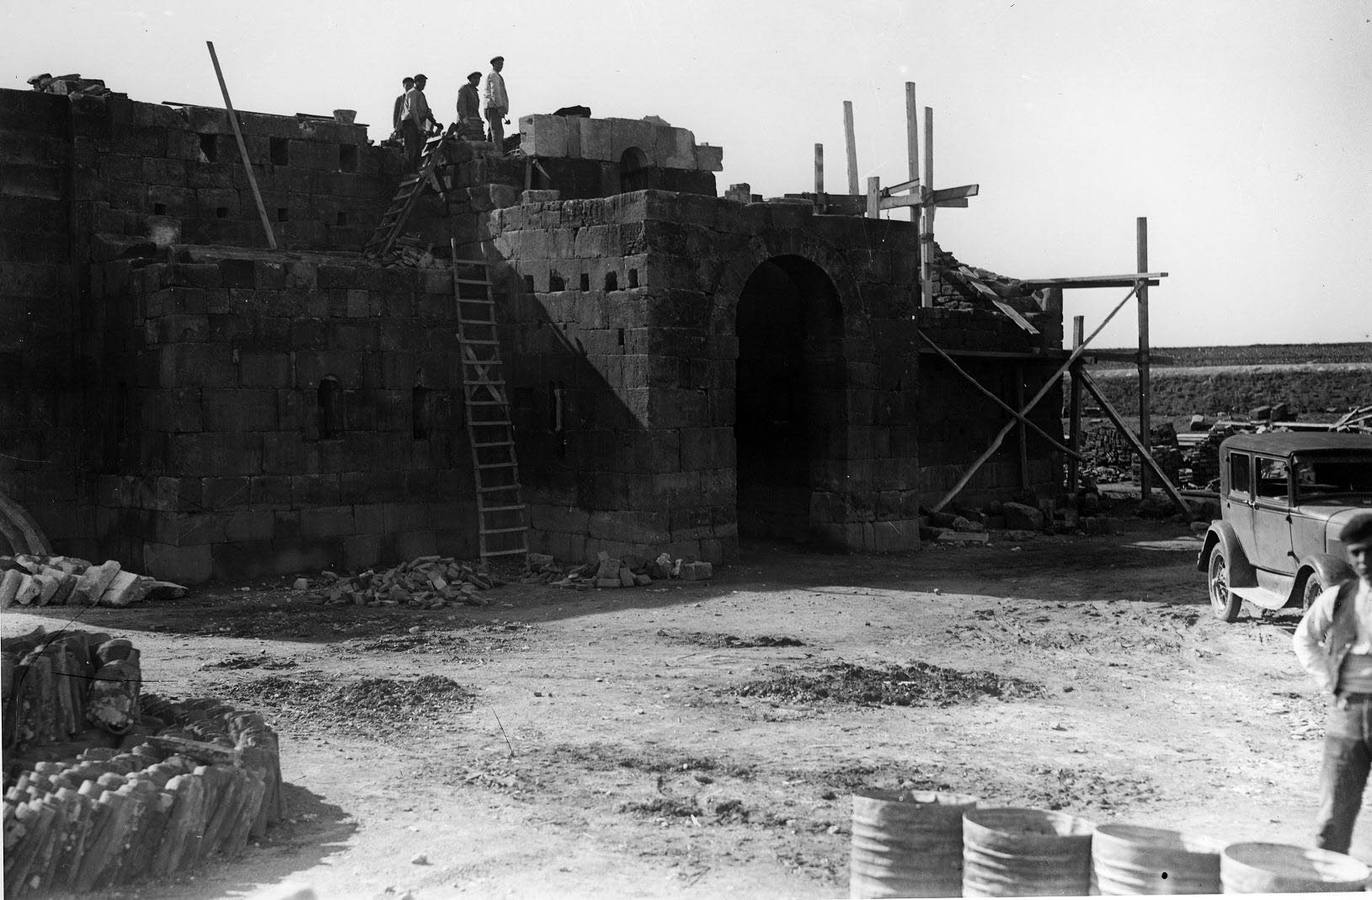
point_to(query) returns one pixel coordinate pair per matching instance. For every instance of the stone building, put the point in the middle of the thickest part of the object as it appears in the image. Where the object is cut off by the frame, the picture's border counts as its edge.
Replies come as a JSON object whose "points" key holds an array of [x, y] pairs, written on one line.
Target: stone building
{"points": [[683, 369]]}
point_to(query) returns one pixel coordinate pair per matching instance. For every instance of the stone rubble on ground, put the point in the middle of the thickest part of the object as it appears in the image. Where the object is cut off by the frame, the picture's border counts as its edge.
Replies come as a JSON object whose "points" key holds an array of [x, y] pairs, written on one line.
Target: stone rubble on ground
{"points": [[607, 571], [33, 580], [431, 582]]}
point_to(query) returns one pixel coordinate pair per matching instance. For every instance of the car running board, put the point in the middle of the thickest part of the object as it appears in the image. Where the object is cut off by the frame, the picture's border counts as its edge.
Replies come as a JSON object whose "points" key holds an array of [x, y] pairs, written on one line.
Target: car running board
{"points": [[1260, 596]]}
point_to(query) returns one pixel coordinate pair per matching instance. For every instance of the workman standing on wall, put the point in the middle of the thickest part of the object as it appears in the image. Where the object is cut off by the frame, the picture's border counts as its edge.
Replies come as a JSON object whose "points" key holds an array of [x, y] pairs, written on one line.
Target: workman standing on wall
{"points": [[415, 121], [398, 112], [497, 102], [1334, 644], [469, 110]]}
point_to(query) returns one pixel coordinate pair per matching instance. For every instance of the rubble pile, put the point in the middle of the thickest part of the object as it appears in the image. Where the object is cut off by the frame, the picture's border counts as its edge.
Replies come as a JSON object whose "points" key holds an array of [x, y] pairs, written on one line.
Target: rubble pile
{"points": [[31, 580], [431, 582], [155, 787], [607, 571]]}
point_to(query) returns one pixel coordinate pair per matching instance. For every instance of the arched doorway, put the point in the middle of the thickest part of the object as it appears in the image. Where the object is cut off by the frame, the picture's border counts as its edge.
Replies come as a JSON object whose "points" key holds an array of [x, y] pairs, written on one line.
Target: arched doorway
{"points": [[633, 170], [791, 427]]}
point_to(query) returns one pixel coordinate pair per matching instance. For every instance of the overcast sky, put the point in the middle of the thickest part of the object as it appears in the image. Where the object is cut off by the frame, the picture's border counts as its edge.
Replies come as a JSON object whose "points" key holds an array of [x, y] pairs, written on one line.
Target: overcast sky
{"points": [[1241, 129]]}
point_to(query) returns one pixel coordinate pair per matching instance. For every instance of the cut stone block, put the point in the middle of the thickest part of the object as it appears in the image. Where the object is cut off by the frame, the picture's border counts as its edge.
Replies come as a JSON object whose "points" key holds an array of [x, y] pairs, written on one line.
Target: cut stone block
{"points": [[126, 588], [94, 581], [48, 585], [697, 571], [709, 159], [949, 536], [28, 590], [9, 586], [676, 148], [626, 577], [597, 139], [607, 583], [543, 135]]}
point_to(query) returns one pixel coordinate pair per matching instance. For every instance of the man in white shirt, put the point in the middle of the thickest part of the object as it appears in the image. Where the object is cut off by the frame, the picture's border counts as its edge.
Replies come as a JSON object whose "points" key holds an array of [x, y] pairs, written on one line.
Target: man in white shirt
{"points": [[1334, 644], [497, 102]]}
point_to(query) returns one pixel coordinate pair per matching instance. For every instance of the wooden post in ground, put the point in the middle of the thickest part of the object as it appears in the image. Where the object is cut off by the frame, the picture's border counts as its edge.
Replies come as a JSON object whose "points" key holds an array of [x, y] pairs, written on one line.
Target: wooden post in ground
{"points": [[926, 231], [912, 139], [851, 140], [1145, 390], [1074, 411], [819, 178], [242, 148]]}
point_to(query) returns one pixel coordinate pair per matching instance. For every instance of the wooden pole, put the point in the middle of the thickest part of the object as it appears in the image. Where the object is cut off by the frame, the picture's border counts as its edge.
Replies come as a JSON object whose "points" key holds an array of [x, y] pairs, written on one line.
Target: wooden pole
{"points": [[926, 232], [912, 139], [242, 148], [1145, 391], [873, 197], [851, 141], [1022, 435], [821, 204], [1033, 401], [1074, 411]]}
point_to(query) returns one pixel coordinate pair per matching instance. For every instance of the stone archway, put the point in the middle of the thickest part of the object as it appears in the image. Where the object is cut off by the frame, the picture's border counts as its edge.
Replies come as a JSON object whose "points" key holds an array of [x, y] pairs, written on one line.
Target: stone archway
{"points": [[791, 428]]}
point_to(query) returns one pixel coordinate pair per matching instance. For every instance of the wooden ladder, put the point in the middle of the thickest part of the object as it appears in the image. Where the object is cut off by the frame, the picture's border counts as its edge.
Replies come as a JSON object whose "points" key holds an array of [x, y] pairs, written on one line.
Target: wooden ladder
{"points": [[500, 507], [406, 195]]}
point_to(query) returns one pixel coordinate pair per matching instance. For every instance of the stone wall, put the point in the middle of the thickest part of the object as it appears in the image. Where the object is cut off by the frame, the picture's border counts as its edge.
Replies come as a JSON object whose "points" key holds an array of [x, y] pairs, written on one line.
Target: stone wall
{"points": [[261, 415]]}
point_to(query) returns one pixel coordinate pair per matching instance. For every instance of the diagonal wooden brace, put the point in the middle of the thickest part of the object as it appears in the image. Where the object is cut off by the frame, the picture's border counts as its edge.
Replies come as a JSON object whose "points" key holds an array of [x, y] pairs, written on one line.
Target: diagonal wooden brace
{"points": [[1034, 401], [1134, 441], [996, 400]]}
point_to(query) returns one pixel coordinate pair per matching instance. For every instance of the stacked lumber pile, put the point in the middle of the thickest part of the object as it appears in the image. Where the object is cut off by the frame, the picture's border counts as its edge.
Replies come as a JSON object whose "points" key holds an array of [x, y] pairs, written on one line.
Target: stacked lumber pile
{"points": [[430, 582], [410, 250], [33, 580], [109, 817], [1357, 419], [54, 686], [608, 571]]}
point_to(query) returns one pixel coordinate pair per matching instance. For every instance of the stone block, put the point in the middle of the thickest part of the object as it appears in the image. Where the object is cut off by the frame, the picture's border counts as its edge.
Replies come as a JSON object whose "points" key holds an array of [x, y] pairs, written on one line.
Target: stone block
{"points": [[675, 148], [543, 135], [709, 158], [597, 139], [184, 565]]}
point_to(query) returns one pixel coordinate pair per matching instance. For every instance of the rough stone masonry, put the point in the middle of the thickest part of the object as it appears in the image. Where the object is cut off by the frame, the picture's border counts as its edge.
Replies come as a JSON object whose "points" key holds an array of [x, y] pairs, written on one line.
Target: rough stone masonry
{"points": [[684, 370]]}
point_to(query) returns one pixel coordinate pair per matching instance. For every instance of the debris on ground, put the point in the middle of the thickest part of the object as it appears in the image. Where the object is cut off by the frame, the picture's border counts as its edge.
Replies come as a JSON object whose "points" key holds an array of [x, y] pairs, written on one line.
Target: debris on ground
{"points": [[430, 582], [33, 580], [379, 707], [729, 641], [607, 571], [918, 684]]}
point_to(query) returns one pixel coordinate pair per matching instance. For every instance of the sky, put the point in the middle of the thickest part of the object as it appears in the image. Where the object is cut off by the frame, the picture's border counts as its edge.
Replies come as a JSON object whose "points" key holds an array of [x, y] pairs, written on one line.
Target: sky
{"points": [[1241, 129]]}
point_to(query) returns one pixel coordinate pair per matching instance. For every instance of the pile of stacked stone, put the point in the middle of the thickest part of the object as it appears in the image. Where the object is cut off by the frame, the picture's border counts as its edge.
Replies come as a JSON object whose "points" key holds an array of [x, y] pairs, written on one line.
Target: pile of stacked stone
{"points": [[70, 85], [608, 571], [1203, 459], [54, 686], [32, 580], [430, 582], [110, 787]]}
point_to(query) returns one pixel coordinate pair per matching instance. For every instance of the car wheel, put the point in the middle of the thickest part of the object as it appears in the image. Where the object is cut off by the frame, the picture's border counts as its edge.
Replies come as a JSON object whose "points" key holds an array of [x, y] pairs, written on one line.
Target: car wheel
{"points": [[1224, 603], [1313, 588]]}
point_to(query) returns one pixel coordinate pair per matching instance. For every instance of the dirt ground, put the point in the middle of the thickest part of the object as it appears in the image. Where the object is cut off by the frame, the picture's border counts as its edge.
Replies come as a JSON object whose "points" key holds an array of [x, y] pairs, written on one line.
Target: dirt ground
{"points": [[703, 739]]}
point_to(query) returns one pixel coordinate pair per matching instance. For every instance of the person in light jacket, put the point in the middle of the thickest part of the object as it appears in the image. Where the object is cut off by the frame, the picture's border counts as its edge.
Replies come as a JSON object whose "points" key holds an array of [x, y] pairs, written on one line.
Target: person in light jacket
{"points": [[497, 102], [1334, 644]]}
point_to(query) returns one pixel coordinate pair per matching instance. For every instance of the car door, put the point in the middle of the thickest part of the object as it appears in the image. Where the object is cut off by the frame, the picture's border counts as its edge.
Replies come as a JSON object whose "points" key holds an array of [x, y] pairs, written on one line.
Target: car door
{"points": [[1272, 515], [1238, 498]]}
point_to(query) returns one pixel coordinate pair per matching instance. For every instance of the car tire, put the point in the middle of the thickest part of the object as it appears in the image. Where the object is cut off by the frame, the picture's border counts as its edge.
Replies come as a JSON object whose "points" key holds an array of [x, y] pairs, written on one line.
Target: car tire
{"points": [[1312, 588], [1224, 603]]}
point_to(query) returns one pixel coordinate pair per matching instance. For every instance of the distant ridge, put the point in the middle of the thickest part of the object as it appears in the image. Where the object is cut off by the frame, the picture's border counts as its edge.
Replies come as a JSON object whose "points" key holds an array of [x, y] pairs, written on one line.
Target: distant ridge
{"points": [[1254, 355]]}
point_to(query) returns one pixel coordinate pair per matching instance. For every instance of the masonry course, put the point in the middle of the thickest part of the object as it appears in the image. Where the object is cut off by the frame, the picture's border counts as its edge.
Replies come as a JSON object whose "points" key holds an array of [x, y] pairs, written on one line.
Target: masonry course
{"points": [[228, 411]]}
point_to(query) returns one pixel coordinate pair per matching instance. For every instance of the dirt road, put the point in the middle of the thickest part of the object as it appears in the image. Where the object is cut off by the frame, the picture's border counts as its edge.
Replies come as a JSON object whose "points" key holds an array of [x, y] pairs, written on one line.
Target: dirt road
{"points": [[698, 739]]}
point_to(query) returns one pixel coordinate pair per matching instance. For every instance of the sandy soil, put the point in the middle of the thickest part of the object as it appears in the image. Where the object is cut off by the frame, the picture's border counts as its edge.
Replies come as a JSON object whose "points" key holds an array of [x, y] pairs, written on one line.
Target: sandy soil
{"points": [[663, 741]]}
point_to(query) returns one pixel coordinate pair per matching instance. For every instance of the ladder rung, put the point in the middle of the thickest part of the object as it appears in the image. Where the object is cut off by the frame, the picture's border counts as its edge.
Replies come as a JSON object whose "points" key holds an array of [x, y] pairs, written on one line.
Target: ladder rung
{"points": [[496, 509], [493, 444], [498, 487], [503, 552], [473, 281], [497, 465], [489, 423], [504, 530]]}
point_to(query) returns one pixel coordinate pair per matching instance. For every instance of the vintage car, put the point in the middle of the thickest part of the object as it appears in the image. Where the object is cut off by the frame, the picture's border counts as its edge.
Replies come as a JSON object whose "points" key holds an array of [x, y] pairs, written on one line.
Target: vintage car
{"points": [[1284, 496]]}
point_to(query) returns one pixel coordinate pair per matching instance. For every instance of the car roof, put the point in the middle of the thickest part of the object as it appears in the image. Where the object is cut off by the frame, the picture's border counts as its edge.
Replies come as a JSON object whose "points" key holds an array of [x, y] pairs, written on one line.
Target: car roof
{"points": [[1282, 443]]}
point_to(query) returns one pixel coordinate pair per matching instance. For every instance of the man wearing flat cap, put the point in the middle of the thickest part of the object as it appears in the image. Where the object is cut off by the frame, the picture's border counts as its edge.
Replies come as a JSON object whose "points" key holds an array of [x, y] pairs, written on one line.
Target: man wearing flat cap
{"points": [[415, 121], [1334, 644], [469, 126], [497, 102]]}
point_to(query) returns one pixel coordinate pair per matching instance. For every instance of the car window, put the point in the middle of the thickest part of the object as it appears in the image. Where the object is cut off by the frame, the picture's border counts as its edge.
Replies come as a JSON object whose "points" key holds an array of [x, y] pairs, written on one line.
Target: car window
{"points": [[1240, 470], [1333, 474], [1272, 475]]}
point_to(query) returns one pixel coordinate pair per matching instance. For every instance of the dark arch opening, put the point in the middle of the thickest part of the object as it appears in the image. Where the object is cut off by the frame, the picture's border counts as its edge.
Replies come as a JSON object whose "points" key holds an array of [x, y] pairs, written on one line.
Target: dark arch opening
{"points": [[634, 173], [791, 391]]}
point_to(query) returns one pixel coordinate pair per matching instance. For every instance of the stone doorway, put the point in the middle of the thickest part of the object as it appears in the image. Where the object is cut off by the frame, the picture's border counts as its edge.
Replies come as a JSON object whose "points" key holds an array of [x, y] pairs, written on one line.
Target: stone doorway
{"points": [[791, 427]]}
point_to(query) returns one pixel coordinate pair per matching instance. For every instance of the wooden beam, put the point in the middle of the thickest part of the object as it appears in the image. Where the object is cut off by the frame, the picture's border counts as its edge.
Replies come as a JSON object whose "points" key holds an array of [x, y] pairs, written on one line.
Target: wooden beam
{"points": [[1096, 281], [1023, 419], [242, 148], [1144, 455], [1145, 413], [1050, 356], [954, 193], [1014, 315], [926, 230], [912, 141], [819, 170], [851, 141], [1129, 356], [912, 201], [1043, 392], [873, 197], [900, 188], [1074, 411]]}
